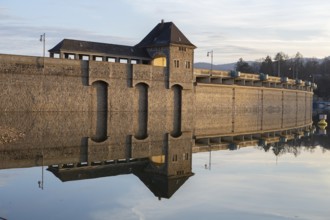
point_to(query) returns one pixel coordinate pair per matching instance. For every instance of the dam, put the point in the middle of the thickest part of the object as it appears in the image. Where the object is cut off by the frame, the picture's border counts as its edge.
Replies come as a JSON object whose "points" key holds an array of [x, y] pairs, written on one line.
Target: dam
{"points": [[138, 109]]}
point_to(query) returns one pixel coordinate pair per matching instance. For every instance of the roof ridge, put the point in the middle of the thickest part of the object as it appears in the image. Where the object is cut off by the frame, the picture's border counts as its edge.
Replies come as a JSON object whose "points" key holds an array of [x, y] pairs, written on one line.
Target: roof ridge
{"points": [[164, 34]]}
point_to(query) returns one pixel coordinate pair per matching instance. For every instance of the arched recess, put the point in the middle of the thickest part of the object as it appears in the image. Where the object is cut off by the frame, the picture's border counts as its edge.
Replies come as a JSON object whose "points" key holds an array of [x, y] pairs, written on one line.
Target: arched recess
{"points": [[176, 92], [141, 99], [100, 96], [159, 61], [100, 113]]}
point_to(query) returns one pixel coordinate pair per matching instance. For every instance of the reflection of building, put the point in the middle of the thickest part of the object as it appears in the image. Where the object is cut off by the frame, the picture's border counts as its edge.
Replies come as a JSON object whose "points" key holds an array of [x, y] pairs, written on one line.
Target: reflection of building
{"points": [[64, 143], [163, 174]]}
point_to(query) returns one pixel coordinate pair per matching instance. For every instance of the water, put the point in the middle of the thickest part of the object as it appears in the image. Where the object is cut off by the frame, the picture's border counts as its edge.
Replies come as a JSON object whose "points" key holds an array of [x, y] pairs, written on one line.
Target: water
{"points": [[243, 184], [277, 181]]}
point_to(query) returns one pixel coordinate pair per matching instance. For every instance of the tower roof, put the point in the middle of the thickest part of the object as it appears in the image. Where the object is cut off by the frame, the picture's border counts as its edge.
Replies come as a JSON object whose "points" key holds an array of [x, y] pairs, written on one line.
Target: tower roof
{"points": [[164, 34], [162, 186]]}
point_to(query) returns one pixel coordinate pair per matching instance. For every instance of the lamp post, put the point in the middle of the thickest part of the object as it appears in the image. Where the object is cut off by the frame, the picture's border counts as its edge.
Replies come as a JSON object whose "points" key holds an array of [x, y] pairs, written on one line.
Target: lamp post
{"points": [[43, 40], [210, 53]]}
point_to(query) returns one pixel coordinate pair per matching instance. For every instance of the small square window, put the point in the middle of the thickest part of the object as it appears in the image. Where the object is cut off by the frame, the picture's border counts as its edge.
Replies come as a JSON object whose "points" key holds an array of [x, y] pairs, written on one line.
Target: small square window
{"points": [[122, 60], [111, 59]]}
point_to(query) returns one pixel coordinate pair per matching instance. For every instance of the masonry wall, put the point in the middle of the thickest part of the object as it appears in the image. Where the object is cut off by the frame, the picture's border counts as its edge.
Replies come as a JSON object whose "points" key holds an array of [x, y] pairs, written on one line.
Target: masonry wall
{"points": [[26, 86], [47, 98], [232, 109], [53, 110], [67, 85]]}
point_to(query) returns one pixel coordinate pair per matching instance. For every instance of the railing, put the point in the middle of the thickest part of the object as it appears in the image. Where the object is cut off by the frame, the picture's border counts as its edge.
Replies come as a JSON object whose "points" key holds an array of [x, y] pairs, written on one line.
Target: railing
{"points": [[207, 72], [219, 76]]}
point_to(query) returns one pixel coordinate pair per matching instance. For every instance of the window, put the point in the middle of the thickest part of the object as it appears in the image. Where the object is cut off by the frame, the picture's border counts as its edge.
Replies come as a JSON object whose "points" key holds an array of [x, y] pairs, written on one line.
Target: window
{"points": [[134, 61], [187, 64], [176, 63], [183, 49], [159, 61], [85, 57], [97, 58], [123, 60], [175, 157], [111, 59], [56, 55], [186, 156], [70, 56]]}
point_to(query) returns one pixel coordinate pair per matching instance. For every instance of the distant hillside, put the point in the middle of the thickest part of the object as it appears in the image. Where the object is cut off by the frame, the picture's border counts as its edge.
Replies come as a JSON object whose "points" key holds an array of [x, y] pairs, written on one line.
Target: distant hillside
{"points": [[228, 66]]}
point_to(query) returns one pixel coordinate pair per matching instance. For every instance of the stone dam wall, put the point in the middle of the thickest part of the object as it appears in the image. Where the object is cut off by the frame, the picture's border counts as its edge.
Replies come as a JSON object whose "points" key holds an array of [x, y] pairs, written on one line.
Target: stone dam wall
{"points": [[89, 86], [88, 110], [227, 109]]}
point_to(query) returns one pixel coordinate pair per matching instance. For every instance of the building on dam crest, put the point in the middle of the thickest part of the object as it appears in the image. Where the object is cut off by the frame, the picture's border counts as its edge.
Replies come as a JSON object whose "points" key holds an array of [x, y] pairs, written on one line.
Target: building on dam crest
{"points": [[163, 46]]}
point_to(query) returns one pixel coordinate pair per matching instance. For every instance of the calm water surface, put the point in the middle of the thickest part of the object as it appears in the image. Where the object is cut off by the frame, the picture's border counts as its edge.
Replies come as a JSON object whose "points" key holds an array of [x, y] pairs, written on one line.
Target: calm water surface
{"points": [[288, 180], [244, 184]]}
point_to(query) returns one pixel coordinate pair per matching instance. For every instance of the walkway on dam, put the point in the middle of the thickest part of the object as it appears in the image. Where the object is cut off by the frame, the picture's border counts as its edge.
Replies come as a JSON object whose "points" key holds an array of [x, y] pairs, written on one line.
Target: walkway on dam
{"points": [[249, 79]]}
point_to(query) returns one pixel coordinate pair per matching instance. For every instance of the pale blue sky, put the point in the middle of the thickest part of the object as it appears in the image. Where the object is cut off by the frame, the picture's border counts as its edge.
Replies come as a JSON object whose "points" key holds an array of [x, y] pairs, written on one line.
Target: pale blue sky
{"points": [[231, 28]]}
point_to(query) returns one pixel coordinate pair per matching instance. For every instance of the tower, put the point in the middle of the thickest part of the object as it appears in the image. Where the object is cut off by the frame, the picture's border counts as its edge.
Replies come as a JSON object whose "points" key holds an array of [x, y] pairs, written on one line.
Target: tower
{"points": [[169, 47]]}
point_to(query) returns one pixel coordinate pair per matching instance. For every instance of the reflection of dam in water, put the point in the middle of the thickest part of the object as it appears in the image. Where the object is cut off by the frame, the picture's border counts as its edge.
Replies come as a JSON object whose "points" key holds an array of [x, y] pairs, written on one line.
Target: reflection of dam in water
{"points": [[81, 139], [75, 146]]}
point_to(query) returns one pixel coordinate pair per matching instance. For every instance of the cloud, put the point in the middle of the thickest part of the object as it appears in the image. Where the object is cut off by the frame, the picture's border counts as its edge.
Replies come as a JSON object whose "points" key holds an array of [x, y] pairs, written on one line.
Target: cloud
{"points": [[4, 14], [250, 30], [243, 27], [23, 39]]}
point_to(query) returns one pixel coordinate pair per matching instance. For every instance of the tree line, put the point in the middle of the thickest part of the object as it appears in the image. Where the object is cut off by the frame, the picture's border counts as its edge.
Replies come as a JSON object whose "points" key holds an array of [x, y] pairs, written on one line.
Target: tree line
{"points": [[297, 67]]}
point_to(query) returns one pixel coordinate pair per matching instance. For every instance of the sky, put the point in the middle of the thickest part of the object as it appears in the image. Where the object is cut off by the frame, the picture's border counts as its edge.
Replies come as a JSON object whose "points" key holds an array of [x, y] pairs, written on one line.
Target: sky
{"points": [[232, 29]]}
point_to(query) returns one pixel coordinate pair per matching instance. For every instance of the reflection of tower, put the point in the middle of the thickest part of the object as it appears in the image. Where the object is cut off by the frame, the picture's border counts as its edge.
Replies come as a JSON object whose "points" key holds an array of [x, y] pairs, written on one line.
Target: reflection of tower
{"points": [[165, 175], [162, 173]]}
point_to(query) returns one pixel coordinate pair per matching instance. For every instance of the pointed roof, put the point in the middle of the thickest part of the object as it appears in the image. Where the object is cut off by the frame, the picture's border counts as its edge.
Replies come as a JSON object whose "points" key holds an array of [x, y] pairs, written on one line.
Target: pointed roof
{"points": [[162, 186], [164, 34]]}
